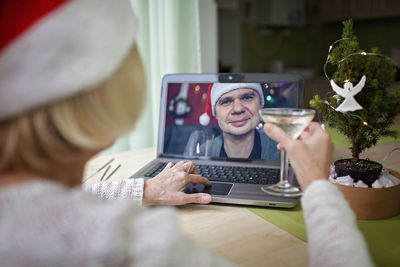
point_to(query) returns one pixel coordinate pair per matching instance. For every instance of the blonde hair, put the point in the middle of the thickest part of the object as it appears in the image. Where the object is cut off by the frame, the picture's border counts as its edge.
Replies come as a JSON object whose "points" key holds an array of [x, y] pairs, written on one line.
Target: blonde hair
{"points": [[85, 123]]}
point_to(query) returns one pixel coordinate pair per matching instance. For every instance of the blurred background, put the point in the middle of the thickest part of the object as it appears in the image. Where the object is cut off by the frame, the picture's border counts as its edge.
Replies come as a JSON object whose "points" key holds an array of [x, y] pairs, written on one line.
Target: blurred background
{"points": [[294, 35], [252, 36]]}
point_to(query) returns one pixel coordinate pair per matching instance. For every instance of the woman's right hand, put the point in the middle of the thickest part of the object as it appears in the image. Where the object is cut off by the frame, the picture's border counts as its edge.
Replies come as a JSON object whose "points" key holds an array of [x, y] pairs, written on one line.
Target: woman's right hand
{"points": [[310, 155], [167, 187]]}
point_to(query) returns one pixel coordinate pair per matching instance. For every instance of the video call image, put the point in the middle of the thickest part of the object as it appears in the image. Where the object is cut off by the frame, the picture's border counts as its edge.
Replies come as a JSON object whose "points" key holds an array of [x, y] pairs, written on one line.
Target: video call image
{"points": [[221, 120]]}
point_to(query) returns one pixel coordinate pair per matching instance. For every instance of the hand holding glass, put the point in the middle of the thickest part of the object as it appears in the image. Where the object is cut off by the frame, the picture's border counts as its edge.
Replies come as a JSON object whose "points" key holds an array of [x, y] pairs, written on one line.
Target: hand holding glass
{"points": [[293, 121]]}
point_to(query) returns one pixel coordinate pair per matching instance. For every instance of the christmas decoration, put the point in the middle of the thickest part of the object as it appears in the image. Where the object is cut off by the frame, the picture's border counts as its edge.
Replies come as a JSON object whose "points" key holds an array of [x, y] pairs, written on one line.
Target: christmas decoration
{"points": [[205, 117], [363, 116], [349, 103], [179, 107], [37, 46]]}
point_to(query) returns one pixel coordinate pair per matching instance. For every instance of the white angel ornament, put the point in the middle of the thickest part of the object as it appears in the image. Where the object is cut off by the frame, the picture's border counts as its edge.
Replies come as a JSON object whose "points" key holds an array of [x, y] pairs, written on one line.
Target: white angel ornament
{"points": [[348, 92]]}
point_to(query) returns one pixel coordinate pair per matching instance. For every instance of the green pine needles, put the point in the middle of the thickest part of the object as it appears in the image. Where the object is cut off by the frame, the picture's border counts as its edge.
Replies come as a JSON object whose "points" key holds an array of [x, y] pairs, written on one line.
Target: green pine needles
{"points": [[380, 106]]}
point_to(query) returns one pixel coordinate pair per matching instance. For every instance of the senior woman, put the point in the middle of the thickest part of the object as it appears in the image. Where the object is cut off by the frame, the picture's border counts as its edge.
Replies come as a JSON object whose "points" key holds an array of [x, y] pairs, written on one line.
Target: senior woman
{"points": [[71, 82]]}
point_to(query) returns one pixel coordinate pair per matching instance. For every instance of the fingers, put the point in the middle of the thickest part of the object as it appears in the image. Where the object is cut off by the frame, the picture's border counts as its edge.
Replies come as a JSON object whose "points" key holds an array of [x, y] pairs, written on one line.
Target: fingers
{"points": [[313, 127], [187, 166], [304, 135], [169, 165], [190, 167], [187, 173], [198, 179], [276, 133], [280, 147], [180, 163], [199, 198]]}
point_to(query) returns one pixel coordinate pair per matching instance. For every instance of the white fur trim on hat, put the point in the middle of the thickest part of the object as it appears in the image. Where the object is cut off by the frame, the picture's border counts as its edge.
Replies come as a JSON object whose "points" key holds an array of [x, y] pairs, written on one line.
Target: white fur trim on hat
{"points": [[72, 49], [219, 89]]}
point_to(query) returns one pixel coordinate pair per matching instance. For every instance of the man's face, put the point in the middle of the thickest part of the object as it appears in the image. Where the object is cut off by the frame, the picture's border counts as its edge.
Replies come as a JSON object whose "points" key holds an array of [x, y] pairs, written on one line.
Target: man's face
{"points": [[237, 111]]}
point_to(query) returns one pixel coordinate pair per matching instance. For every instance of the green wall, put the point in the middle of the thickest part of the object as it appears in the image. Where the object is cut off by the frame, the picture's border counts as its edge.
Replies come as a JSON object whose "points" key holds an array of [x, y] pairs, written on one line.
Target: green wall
{"points": [[307, 46]]}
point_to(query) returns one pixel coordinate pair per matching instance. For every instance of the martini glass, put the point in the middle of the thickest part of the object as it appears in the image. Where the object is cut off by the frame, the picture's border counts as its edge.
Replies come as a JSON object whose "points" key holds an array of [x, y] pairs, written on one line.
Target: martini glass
{"points": [[293, 121]]}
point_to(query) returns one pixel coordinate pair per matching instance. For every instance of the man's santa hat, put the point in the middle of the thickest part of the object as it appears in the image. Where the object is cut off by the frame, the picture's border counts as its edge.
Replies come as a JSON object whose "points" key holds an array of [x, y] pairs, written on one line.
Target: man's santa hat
{"points": [[216, 90], [52, 49]]}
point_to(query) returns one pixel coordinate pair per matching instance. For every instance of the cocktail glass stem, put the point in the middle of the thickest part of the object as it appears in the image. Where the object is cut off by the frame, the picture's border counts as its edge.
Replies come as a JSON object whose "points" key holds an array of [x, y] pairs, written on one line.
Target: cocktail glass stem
{"points": [[283, 187], [283, 183]]}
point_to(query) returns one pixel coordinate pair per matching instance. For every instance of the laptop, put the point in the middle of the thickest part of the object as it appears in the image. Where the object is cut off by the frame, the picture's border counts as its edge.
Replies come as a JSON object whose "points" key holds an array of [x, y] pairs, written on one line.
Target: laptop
{"points": [[183, 135]]}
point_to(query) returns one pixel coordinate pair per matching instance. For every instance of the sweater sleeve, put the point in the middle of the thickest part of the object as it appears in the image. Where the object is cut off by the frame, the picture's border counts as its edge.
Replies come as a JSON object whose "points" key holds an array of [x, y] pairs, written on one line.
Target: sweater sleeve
{"points": [[333, 236], [123, 189], [135, 231]]}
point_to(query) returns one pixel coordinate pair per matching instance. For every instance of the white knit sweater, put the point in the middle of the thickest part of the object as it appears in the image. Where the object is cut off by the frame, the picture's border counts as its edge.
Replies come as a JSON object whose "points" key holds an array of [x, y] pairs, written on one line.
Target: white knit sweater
{"points": [[333, 236], [43, 223]]}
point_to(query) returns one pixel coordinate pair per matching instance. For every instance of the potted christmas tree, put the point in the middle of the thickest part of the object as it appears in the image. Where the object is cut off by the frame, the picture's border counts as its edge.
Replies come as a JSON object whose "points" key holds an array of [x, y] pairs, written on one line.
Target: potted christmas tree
{"points": [[360, 106]]}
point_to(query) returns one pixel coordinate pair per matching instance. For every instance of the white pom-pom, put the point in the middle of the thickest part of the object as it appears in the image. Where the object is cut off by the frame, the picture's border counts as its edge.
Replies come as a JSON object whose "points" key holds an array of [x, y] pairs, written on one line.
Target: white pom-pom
{"points": [[204, 119]]}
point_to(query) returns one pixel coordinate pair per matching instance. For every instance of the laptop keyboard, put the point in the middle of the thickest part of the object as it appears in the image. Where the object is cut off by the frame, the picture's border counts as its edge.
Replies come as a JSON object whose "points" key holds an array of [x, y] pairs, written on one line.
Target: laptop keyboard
{"points": [[246, 175]]}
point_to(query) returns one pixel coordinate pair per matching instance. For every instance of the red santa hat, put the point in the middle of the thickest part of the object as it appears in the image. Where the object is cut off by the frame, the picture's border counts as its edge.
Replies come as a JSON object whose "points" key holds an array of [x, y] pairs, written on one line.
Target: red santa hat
{"points": [[216, 90], [52, 49]]}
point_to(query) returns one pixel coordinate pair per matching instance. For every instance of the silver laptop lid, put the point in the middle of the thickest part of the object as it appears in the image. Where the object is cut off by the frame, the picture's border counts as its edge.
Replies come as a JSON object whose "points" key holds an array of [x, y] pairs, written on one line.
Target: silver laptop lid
{"points": [[186, 132]]}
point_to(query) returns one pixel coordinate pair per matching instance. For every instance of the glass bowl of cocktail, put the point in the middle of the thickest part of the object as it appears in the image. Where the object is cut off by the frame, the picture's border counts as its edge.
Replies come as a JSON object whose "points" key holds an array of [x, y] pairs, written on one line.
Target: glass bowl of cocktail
{"points": [[293, 121]]}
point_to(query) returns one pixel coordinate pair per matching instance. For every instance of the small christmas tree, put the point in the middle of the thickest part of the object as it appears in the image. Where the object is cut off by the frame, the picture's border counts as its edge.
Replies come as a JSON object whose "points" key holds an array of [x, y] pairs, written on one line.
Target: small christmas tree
{"points": [[365, 126]]}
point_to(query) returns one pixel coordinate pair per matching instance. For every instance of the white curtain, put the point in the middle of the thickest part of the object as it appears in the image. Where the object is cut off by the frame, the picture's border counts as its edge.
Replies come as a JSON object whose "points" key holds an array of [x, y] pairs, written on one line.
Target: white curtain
{"points": [[169, 41]]}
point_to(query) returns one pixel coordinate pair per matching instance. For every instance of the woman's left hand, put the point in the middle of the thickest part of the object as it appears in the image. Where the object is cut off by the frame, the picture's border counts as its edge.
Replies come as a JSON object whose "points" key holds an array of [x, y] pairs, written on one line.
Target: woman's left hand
{"points": [[167, 187]]}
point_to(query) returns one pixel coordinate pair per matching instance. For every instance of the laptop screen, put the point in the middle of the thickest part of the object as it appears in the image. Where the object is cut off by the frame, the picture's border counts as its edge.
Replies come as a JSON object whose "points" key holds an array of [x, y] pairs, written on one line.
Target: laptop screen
{"points": [[217, 119]]}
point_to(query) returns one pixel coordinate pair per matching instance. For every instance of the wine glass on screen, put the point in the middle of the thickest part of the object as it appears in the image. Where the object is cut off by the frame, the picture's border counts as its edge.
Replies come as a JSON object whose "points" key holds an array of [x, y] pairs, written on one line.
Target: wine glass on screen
{"points": [[293, 121], [200, 144]]}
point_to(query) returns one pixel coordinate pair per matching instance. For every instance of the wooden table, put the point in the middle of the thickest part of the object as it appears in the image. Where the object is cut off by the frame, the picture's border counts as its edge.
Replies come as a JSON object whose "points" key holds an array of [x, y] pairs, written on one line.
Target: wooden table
{"points": [[232, 232]]}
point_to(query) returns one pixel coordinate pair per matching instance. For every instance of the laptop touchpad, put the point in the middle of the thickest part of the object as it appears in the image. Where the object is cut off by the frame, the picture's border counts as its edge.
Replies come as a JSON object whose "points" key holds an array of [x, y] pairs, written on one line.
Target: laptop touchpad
{"points": [[221, 189]]}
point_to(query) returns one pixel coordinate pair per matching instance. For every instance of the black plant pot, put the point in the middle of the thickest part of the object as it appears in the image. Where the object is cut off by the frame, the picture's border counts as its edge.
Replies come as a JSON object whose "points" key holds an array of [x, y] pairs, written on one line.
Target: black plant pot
{"points": [[363, 169]]}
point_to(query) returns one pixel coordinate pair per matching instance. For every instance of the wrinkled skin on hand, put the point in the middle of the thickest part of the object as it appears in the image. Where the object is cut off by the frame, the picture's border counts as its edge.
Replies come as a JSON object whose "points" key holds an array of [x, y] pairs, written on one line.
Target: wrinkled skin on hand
{"points": [[167, 187], [310, 155]]}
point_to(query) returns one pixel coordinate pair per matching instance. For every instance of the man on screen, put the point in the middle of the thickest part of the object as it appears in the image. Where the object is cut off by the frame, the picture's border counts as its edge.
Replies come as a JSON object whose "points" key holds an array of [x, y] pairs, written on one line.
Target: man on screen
{"points": [[235, 107]]}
